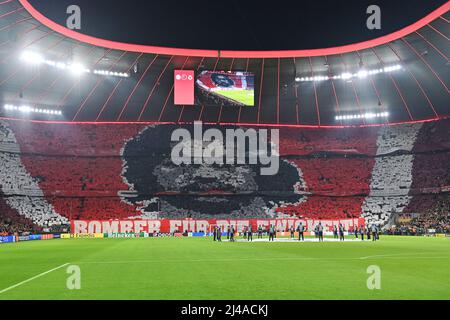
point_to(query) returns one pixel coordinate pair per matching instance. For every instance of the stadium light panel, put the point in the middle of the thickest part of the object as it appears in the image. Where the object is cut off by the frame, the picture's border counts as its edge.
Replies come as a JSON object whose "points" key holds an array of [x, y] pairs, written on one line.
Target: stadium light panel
{"points": [[361, 74], [29, 109], [112, 73], [346, 76], [368, 115], [78, 68], [75, 68], [32, 58]]}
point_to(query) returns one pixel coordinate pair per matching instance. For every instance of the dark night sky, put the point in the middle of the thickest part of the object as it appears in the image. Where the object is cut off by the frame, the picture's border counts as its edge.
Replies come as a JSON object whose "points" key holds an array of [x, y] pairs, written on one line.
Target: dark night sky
{"points": [[238, 25]]}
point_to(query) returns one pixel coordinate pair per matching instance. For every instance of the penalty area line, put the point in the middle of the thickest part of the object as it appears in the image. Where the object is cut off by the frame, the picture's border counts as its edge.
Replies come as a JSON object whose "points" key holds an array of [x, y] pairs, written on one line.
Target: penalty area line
{"points": [[33, 278]]}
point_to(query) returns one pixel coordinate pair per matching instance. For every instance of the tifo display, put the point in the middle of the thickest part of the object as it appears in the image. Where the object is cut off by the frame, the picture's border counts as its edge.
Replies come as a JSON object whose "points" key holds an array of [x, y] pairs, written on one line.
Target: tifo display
{"points": [[55, 173]]}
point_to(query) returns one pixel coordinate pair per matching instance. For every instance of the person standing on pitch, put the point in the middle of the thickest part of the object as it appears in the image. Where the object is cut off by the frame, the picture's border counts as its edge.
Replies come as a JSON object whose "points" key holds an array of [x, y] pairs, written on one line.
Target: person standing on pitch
{"points": [[320, 231], [341, 232], [250, 234], [368, 233], [374, 233], [292, 232], [271, 233], [301, 230], [259, 232], [361, 232], [335, 232], [228, 232], [219, 234], [215, 233], [355, 231]]}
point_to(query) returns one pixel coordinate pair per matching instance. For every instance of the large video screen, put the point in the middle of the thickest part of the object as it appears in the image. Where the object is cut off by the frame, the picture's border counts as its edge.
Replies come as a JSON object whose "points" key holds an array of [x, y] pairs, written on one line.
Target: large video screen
{"points": [[218, 88]]}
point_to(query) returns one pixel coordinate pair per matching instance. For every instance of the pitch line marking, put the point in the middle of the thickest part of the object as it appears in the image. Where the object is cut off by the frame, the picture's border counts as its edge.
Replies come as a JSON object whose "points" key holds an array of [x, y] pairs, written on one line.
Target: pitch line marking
{"points": [[33, 278], [256, 259], [393, 255]]}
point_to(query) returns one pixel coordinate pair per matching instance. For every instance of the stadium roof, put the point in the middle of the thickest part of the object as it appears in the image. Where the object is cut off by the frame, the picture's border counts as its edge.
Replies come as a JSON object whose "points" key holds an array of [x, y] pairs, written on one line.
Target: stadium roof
{"points": [[405, 74]]}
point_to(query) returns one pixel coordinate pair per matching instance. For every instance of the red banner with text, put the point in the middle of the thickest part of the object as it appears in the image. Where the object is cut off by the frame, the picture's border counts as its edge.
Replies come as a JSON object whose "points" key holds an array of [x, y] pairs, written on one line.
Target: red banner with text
{"points": [[191, 225]]}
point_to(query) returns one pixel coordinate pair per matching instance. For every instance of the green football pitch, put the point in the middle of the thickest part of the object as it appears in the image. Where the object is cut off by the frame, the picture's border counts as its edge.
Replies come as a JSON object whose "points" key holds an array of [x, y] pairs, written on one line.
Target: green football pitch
{"points": [[246, 97], [200, 269]]}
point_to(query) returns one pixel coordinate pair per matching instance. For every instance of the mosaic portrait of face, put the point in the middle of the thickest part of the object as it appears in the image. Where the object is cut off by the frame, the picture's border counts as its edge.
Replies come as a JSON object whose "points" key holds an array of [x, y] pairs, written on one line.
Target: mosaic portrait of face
{"points": [[201, 189]]}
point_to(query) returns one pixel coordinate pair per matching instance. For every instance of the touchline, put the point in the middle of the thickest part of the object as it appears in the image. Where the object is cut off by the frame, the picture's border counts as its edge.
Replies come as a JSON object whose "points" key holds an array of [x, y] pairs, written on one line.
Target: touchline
{"points": [[238, 147]]}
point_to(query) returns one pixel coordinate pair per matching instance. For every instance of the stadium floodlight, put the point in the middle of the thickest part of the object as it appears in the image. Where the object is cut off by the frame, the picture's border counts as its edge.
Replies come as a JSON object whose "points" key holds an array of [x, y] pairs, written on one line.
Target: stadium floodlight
{"points": [[78, 68], [26, 109], [346, 76], [368, 115], [31, 57], [361, 74], [61, 65], [75, 68], [112, 73], [29, 109], [392, 68]]}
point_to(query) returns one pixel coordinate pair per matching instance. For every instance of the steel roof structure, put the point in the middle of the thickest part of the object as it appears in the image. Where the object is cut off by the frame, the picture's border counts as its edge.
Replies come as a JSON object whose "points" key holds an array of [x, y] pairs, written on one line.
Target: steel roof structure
{"points": [[300, 88]]}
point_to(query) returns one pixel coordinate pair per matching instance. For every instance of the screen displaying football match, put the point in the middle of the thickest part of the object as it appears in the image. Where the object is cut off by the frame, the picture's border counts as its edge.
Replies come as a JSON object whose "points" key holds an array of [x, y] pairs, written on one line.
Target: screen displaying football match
{"points": [[219, 88]]}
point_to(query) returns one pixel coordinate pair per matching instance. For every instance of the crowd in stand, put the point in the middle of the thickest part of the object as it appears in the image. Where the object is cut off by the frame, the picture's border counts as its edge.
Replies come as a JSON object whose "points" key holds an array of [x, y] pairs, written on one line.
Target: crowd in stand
{"points": [[10, 227], [434, 170], [68, 140], [433, 220], [305, 142], [323, 207], [13, 223]]}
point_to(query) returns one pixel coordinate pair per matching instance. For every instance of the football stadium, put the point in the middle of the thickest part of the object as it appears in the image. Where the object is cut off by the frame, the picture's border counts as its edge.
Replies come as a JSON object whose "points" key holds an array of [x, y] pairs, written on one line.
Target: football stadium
{"points": [[155, 172]]}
